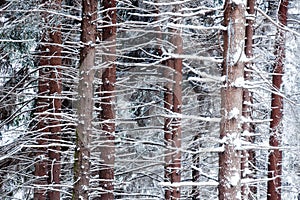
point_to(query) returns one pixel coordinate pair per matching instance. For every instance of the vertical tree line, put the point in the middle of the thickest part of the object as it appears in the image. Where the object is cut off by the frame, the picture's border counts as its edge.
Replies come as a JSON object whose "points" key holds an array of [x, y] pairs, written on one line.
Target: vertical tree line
{"points": [[162, 100], [173, 104], [107, 101], [49, 101], [232, 101], [248, 156], [85, 104], [275, 155]]}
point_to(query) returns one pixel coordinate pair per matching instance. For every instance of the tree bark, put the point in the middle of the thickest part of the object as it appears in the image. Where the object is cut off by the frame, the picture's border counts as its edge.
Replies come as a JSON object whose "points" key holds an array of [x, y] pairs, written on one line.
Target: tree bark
{"points": [[248, 156], [275, 156], [107, 115], [232, 101], [172, 127], [168, 104], [85, 101], [41, 170], [176, 124], [49, 84], [55, 89]]}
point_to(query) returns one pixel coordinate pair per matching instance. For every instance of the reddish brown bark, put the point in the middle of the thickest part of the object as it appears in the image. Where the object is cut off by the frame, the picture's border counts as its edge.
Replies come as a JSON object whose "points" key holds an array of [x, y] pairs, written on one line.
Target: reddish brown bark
{"points": [[172, 126], [168, 104], [231, 102], [176, 124], [275, 156], [85, 100], [107, 115], [248, 156], [55, 89], [49, 124], [41, 170]]}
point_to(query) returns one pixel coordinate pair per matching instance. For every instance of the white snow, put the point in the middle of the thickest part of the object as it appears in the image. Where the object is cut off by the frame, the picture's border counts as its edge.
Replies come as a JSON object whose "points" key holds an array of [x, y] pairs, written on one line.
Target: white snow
{"points": [[239, 1], [3, 19], [234, 113], [235, 179], [239, 82]]}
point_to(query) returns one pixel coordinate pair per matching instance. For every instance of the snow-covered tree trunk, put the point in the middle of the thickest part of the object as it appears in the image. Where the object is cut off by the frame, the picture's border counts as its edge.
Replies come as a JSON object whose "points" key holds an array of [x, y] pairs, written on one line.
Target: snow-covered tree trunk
{"points": [[85, 102], [107, 115], [168, 104], [232, 100], [275, 156], [49, 90], [41, 170], [55, 89], [176, 123], [248, 156], [173, 103]]}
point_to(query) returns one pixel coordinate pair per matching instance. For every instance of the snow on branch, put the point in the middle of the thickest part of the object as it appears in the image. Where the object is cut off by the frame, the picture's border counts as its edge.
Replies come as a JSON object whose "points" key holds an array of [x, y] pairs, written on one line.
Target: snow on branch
{"points": [[188, 183], [166, 3], [219, 27], [196, 57], [280, 26]]}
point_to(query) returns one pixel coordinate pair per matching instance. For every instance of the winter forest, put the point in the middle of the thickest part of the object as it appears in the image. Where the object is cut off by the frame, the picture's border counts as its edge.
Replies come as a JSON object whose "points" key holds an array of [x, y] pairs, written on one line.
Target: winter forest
{"points": [[149, 99]]}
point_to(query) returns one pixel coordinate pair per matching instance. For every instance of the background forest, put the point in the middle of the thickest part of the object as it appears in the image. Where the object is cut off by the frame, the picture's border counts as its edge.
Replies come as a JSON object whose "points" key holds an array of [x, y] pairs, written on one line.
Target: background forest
{"points": [[149, 99]]}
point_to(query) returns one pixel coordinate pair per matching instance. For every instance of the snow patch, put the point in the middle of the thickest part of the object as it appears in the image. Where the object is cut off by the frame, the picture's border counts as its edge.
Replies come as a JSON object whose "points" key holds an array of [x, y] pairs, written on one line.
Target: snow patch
{"points": [[239, 2], [235, 179], [3, 19], [234, 113], [239, 82]]}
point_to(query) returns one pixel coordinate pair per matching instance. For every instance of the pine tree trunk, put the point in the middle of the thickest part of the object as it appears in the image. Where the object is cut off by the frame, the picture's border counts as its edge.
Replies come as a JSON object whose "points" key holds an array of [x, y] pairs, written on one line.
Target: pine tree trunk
{"points": [[41, 170], [107, 115], [55, 89], [49, 84], [176, 124], [248, 156], [275, 156], [232, 101], [85, 102], [168, 104], [172, 126]]}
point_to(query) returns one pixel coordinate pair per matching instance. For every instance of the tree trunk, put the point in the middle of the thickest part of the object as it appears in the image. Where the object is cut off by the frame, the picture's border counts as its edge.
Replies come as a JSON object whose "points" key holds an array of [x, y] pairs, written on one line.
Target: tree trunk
{"points": [[41, 170], [55, 89], [176, 124], [275, 156], [107, 115], [172, 127], [248, 156], [49, 84], [168, 104], [232, 101], [85, 102]]}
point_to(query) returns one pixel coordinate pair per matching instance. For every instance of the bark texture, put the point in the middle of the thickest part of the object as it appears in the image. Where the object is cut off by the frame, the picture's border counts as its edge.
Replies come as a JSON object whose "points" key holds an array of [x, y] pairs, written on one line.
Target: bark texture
{"points": [[275, 156], [48, 166], [176, 124], [85, 100], [248, 156], [168, 104], [107, 115], [55, 89], [41, 170], [232, 101], [172, 127]]}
